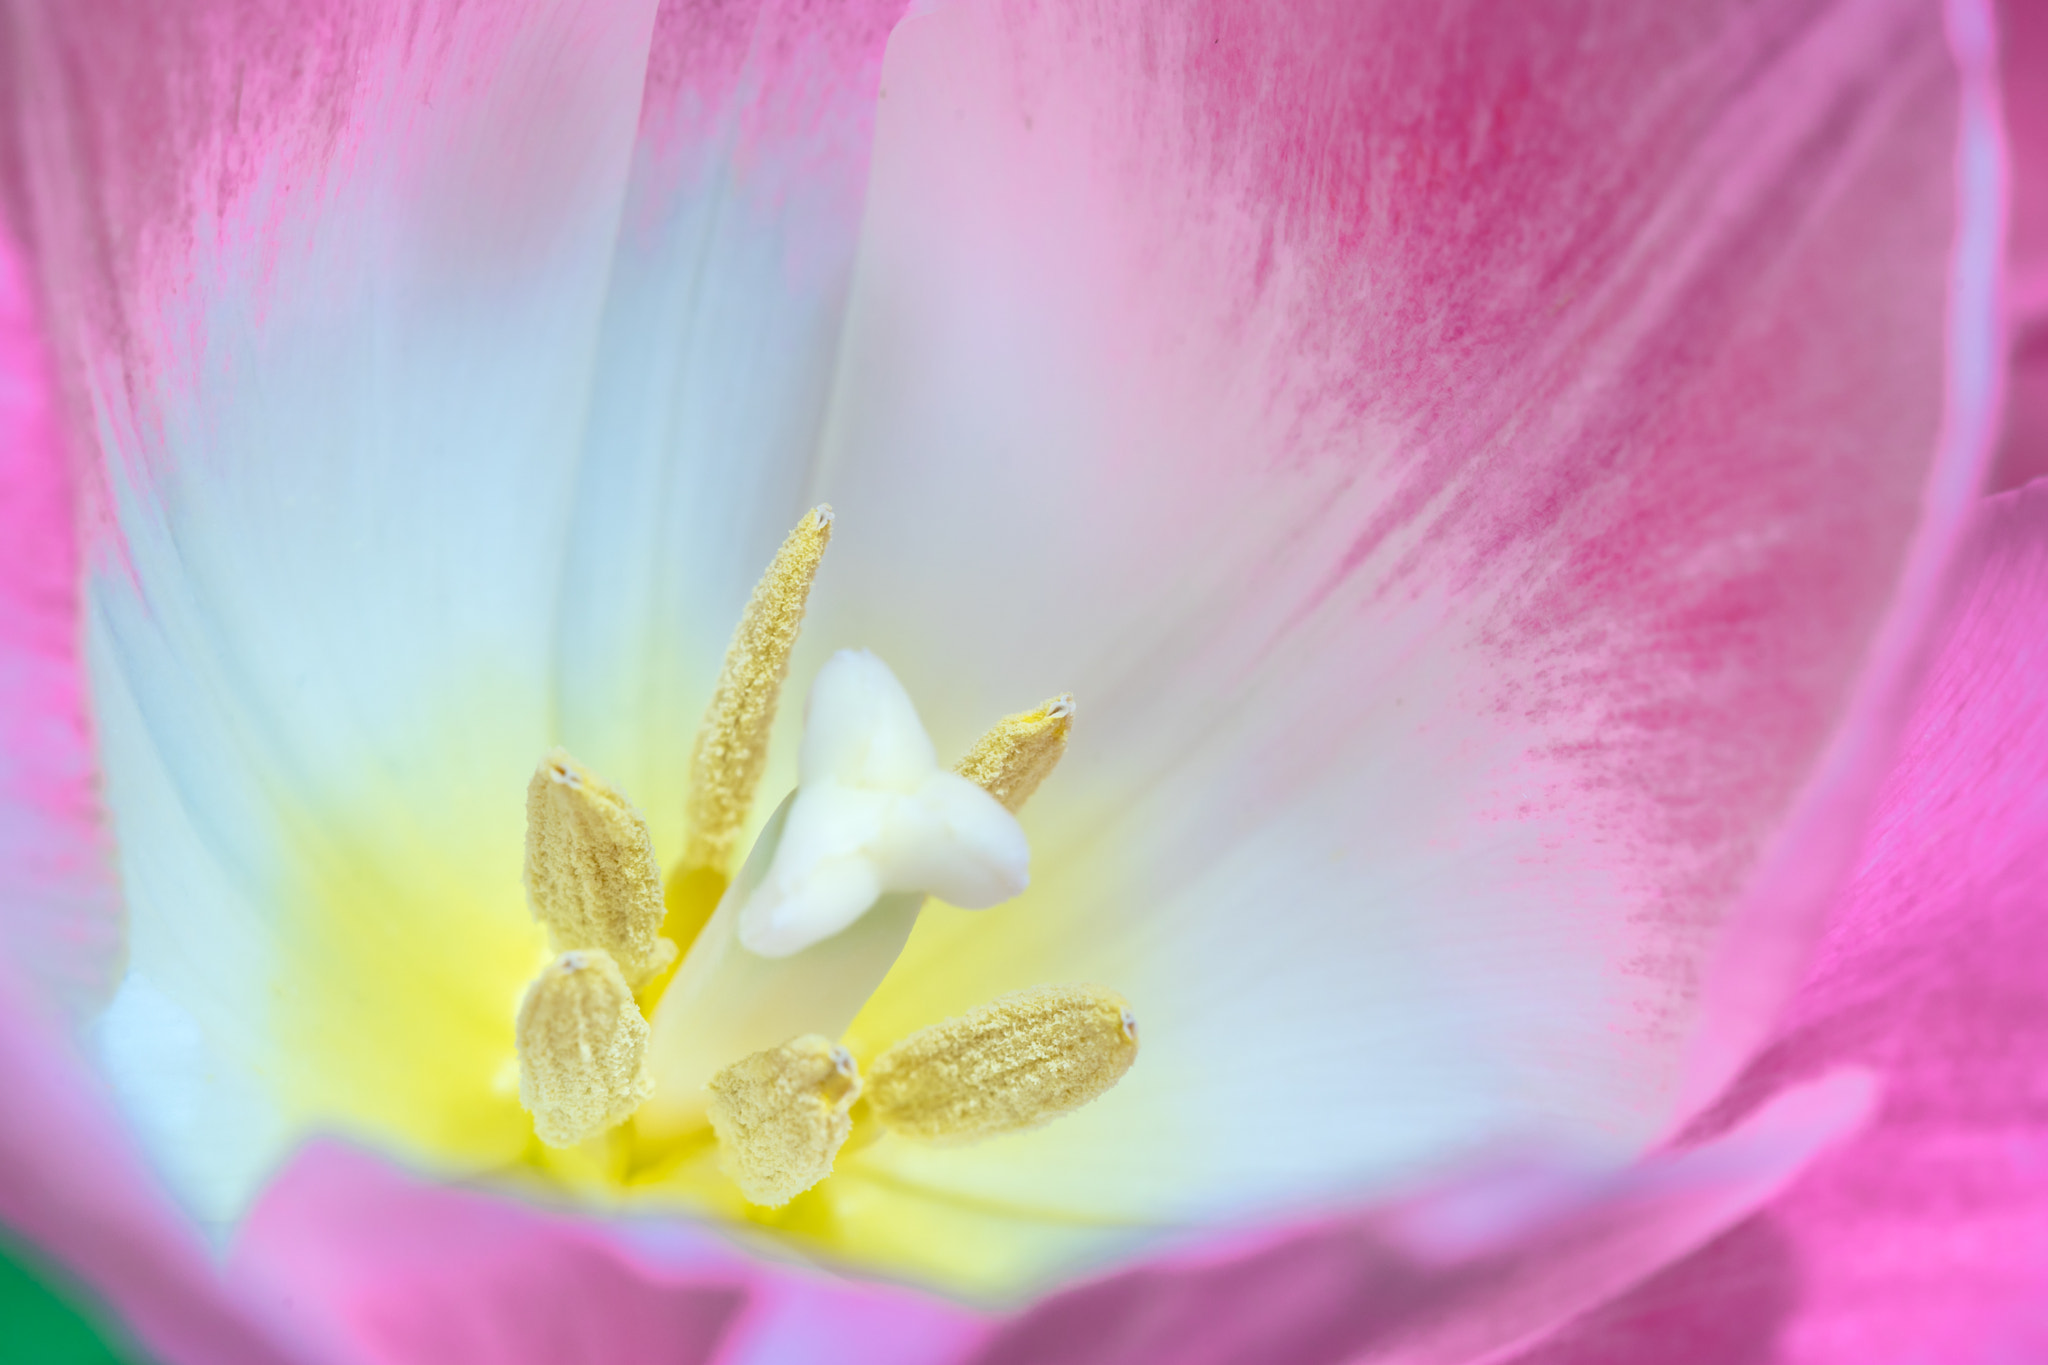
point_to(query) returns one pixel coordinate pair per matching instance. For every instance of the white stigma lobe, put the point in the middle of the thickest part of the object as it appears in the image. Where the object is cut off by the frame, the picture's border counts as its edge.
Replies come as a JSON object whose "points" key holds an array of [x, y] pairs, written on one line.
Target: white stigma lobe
{"points": [[874, 813]]}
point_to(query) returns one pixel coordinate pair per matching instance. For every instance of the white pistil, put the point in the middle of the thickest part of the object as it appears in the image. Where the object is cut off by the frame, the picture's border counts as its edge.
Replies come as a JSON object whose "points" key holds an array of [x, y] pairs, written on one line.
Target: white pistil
{"points": [[726, 1003], [875, 813]]}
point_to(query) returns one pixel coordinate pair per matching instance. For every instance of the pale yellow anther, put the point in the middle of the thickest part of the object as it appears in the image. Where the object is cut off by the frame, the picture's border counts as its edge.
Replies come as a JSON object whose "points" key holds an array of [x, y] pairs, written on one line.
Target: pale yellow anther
{"points": [[1020, 752], [591, 877], [582, 1049], [781, 1116], [732, 743], [1015, 1063]]}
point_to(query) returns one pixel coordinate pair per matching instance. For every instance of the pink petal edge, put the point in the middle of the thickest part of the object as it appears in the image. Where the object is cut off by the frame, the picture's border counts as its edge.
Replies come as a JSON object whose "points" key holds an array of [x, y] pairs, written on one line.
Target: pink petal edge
{"points": [[1926, 1238], [407, 1271], [1376, 1288], [1768, 941], [71, 1184], [404, 1271], [61, 921]]}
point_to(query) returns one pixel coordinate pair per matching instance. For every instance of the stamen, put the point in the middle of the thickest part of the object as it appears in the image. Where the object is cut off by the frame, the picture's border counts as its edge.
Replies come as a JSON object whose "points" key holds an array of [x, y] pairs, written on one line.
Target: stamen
{"points": [[591, 877], [1017, 1062], [1020, 752], [732, 743], [782, 1115], [582, 1049]]}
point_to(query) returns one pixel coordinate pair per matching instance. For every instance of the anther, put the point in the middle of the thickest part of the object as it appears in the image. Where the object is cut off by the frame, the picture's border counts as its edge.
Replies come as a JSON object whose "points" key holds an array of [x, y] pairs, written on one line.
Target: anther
{"points": [[582, 1049], [781, 1116], [1015, 1063], [591, 877], [732, 743], [1020, 752]]}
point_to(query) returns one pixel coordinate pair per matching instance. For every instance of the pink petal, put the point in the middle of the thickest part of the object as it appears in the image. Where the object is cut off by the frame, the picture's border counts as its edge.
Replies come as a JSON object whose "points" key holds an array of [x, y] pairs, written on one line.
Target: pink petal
{"points": [[1348, 1291], [410, 1273], [71, 1185], [1484, 478], [1927, 1237]]}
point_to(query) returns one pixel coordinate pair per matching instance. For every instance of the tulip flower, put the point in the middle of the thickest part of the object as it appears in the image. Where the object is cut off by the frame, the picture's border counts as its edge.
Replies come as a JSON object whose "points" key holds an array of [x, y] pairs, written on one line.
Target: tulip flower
{"points": [[1480, 491]]}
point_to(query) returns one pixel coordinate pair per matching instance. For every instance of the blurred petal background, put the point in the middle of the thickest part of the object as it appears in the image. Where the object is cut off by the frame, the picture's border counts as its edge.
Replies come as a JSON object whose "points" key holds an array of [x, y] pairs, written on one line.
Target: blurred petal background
{"points": [[1921, 1236]]}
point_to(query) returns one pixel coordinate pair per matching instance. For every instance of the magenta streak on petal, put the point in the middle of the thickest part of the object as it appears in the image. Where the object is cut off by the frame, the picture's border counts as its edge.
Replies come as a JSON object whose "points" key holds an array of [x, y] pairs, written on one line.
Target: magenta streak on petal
{"points": [[407, 1272], [60, 920], [157, 139], [1772, 929], [813, 65]]}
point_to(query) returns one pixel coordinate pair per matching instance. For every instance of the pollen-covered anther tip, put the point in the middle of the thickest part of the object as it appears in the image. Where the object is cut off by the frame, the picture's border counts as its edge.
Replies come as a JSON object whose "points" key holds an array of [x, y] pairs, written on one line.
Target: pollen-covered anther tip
{"points": [[1019, 752], [781, 1116], [1015, 1063], [732, 741], [582, 1049], [591, 877]]}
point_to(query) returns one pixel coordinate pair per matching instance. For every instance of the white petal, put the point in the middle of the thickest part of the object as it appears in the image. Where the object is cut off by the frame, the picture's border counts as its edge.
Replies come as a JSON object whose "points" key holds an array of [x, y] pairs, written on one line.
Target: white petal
{"points": [[1447, 509], [208, 1118], [341, 382], [715, 357]]}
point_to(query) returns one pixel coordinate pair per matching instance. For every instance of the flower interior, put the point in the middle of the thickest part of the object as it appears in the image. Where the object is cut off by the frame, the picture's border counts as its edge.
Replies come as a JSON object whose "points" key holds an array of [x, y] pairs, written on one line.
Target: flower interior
{"points": [[689, 1034]]}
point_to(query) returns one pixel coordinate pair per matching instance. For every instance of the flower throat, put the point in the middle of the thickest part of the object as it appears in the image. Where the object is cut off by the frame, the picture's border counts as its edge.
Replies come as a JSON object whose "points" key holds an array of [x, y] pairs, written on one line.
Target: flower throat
{"points": [[710, 1009]]}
